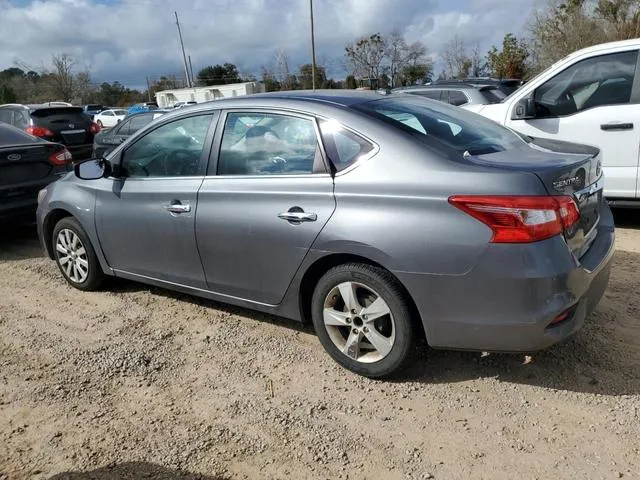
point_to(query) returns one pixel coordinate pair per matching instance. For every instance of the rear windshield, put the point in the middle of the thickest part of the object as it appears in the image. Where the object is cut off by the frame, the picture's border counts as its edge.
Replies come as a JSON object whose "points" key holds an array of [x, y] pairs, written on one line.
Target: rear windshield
{"points": [[13, 136], [493, 94], [439, 124]]}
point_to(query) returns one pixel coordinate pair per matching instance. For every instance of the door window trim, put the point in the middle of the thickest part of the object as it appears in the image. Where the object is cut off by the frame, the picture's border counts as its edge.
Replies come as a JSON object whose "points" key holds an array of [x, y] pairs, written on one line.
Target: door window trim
{"points": [[212, 169], [204, 156]]}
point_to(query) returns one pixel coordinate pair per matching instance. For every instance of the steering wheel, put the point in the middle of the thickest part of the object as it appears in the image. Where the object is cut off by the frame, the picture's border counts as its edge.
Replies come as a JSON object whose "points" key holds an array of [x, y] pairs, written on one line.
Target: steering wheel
{"points": [[181, 157]]}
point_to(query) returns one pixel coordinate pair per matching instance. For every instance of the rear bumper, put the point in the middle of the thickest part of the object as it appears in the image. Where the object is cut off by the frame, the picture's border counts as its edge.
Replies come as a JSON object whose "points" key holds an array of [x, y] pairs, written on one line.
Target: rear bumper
{"points": [[24, 209], [80, 152], [508, 301]]}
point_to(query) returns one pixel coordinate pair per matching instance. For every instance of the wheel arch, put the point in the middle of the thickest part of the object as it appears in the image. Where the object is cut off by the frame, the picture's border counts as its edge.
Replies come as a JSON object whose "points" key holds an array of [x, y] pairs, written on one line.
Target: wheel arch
{"points": [[50, 221], [322, 265]]}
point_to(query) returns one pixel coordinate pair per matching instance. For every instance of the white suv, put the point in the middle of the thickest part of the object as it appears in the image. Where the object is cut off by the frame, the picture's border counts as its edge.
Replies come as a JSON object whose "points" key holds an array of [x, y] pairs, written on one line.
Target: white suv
{"points": [[592, 97]]}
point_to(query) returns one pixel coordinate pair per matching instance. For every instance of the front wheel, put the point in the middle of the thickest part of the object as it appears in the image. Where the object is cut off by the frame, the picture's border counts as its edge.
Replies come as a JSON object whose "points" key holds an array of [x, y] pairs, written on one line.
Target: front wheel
{"points": [[99, 122], [75, 256], [363, 319]]}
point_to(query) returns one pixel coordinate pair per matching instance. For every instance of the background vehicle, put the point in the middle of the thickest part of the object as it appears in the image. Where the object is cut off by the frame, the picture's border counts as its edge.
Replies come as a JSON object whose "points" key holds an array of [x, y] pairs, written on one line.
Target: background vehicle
{"points": [[109, 118], [592, 96], [67, 125], [142, 107], [105, 141], [369, 215], [92, 109], [27, 164], [183, 104], [460, 94], [506, 85]]}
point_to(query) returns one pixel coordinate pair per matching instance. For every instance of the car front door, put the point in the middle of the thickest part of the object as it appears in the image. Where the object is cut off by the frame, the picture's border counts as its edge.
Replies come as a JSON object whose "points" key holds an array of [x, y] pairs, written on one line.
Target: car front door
{"points": [[595, 101], [146, 217], [266, 199]]}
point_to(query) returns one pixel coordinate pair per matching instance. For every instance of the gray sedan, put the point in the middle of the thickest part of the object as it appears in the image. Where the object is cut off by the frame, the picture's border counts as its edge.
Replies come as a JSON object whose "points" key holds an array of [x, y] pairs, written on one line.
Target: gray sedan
{"points": [[377, 218]]}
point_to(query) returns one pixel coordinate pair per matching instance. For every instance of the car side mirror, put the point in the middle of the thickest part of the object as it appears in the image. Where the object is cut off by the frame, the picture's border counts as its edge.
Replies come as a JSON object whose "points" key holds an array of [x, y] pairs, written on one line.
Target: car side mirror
{"points": [[525, 108], [92, 169]]}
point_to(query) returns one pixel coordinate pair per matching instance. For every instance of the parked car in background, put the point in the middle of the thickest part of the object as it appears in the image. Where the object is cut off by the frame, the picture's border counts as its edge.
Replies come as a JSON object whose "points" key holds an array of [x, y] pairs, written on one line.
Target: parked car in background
{"points": [[591, 96], [142, 107], [27, 164], [67, 125], [109, 118], [506, 85], [460, 95], [105, 141], [92, 109], [184, 104], [377, 218]]}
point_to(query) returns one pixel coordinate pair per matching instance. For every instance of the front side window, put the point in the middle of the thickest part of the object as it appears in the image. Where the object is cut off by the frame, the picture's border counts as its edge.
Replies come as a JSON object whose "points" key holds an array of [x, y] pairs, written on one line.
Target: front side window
{"points": [[268, 144], [439, 124], [343, 147], [596, 81], [172, 150], [108, 113], [136, 123], [5, 115]]}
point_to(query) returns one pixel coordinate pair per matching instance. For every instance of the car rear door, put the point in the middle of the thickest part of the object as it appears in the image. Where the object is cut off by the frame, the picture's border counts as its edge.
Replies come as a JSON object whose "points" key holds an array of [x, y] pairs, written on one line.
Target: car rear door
{"points": [[266, 198], [146, 217], [594, 101]]}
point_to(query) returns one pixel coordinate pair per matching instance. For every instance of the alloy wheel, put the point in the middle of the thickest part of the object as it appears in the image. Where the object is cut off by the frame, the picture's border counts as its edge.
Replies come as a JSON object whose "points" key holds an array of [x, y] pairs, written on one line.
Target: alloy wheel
{"points": [[72, 256], [359, 322]]}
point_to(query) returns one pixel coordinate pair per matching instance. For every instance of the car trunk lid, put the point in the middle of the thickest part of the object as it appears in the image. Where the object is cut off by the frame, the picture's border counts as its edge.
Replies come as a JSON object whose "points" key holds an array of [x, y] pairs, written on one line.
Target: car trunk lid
{"points": [[568, 169]]}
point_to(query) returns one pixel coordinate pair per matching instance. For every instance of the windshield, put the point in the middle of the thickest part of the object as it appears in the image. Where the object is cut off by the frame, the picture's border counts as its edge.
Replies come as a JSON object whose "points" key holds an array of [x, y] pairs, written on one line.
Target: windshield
{"points": [[431, 121]]}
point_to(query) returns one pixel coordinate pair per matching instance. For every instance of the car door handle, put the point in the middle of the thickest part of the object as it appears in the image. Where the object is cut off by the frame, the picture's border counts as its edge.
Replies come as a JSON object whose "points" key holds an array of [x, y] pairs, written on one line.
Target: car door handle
{"points": [[177, 208], [298, 217], [616, 126]]}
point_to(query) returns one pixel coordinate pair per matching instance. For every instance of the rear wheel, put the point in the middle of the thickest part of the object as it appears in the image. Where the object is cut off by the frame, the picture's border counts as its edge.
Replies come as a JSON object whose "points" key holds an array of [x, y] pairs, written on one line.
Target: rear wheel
{"points": [[362, 318], [75, 256]]}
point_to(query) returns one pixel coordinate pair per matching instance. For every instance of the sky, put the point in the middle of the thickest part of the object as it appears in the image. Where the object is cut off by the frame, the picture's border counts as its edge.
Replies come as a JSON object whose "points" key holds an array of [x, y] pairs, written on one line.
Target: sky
{"points": [[128, 40]]}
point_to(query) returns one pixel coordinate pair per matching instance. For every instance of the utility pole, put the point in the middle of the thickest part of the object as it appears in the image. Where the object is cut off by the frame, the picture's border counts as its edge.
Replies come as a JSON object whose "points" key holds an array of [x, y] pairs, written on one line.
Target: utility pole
{"points": [[313, 49], [184, 56], [148, 89], [193, 82]]}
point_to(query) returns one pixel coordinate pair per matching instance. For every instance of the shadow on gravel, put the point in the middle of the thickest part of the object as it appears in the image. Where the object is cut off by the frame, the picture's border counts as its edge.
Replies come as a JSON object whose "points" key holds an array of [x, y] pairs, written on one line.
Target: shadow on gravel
{"points": [[133, 471], [627, 218], [19, 242]]}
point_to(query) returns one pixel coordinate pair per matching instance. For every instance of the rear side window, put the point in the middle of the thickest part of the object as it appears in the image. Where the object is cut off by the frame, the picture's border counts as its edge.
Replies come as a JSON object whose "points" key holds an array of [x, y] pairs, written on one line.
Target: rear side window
{"points": [[456, 97], [343, 147], [432, 94], [5, 115], [492, 95]]}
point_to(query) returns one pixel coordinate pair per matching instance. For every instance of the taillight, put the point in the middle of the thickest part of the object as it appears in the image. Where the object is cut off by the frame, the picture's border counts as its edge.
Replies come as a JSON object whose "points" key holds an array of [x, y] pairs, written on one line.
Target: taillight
{"points": [[39, 131], [60, 158], [94, 128], [516, 219]]}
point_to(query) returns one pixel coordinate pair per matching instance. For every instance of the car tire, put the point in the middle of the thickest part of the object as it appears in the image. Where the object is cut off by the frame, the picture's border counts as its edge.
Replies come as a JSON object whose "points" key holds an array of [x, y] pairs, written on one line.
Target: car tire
{"points": [[374, 342], [99, 122], [75, 255]]}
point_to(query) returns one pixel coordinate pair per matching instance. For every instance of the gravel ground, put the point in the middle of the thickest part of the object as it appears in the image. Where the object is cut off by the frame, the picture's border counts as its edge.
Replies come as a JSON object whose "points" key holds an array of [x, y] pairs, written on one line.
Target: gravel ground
{"points": [[136, 382]]}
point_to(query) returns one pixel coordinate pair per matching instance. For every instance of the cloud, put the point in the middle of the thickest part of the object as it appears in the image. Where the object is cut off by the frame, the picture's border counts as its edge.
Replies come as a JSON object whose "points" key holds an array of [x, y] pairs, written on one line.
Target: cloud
{"points": [[126, 40]]}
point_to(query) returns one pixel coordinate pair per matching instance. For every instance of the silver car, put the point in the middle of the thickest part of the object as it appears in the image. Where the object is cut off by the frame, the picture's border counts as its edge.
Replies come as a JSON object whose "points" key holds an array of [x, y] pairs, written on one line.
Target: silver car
{"points": [[379, 218]]}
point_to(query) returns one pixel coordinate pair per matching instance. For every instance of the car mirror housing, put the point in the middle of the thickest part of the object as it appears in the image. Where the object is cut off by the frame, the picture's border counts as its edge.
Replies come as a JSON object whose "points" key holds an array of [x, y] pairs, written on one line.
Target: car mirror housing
{"points": [[92, 169], [525, 108]]}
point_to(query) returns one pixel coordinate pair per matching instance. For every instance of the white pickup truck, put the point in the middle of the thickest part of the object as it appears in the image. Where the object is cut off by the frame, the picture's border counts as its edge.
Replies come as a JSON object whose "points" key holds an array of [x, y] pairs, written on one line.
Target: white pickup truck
{"points": [[591, 97]]}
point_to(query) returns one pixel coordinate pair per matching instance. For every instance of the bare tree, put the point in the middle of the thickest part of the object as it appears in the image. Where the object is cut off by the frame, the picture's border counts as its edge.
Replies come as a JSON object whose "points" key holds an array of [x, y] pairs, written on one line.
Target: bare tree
{"points": [[396, 52], [61, 77], [366, 56], [457, 61]]}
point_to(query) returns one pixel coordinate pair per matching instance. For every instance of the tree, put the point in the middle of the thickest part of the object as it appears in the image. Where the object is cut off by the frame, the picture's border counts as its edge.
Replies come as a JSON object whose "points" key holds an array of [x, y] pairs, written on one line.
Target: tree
{"points": [[350, 82], [366, 55], [7, 95], [61, 77], [511, 61], [457, 62], [271, 83], [218, 75], [306, 76]]}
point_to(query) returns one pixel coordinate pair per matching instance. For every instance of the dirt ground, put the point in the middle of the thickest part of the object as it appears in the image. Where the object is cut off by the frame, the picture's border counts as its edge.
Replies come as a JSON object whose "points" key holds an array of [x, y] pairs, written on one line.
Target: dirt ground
{"points": [[136, 382]]}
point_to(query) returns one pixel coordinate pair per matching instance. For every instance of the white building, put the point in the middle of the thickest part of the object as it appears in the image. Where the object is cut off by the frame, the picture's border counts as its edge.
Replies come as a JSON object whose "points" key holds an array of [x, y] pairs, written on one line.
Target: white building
{"points": [[167, 98]]}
